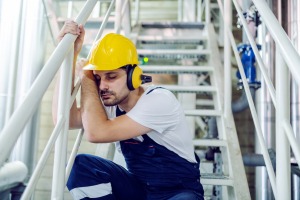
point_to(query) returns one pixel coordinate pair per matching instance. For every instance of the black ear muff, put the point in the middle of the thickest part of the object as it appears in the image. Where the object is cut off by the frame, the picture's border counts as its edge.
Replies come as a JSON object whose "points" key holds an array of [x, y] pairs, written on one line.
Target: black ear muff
{"points": [[133, 77]]}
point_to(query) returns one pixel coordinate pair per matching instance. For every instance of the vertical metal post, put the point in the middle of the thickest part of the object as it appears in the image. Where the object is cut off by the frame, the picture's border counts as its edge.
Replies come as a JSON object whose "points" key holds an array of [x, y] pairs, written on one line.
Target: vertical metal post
{"points": [[137, 11], [294, 24], [189, 11], [207, 11], [199, 11], [227, 59], [59, 168], [283, 169], [118, 15], [180, 15]]}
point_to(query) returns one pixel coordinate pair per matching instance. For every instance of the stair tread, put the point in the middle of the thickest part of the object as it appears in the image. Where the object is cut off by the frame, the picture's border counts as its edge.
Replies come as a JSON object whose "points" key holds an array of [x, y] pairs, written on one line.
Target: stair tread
{"points": [[169, 38], [203, 112], [189, 88], [209, 142], [177, 69], [216, 179], [173, 51]]}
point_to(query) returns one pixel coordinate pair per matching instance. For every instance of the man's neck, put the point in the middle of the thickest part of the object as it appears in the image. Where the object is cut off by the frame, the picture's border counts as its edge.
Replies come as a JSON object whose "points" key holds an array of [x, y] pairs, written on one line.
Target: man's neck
{"points": [[132, 99]]}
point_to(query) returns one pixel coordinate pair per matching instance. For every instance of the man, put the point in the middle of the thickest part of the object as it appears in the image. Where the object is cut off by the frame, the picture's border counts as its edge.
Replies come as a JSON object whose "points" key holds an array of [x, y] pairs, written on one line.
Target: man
{"points": [[147, 124]]}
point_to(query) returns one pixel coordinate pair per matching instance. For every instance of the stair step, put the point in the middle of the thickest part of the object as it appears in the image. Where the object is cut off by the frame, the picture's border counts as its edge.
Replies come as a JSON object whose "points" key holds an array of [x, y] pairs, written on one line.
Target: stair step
{"points": [[171, 38], [173, 25], [189, 89], [176, 69], [203, 112], [210, 142], [216, 179], [173, 51]]}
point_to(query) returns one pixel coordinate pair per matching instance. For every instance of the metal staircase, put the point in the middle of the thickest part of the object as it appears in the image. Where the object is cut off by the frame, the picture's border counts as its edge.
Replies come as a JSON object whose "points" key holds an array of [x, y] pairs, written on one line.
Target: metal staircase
{"points": [[189, 53]]}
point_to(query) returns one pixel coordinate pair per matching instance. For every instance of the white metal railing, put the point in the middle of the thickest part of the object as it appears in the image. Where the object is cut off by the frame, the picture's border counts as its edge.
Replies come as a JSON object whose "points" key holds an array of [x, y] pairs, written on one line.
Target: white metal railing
{"points": [[23, 113], [287, 61]]}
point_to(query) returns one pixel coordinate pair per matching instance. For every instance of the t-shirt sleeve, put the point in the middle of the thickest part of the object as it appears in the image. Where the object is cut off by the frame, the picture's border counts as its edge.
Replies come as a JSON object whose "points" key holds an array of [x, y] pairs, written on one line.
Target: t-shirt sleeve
{"points": [[158, 110]]}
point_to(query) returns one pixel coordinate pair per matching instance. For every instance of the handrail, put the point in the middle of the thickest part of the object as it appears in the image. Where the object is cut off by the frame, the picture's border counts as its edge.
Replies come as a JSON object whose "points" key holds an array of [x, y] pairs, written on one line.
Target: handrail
{"points": [[258, 58], [265, 153], [290, 55], [43, 159], [22, 114], [284, 132]]}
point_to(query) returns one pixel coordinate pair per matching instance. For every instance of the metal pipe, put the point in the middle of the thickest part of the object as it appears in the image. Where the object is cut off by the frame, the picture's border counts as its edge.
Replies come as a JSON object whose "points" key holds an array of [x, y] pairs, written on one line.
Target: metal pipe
{"points": [[251, 105], [227, 60], [73, 153], [14, 126], [207, 11], [242, 103], [199, 10], [9, 36], [61, 146], [43, 159], [12, 172], [266, 113], [118, 17], [13, 64], [283, 170], [293, 15], [289, 53], [290, 135], [180, 15], [256, 52], [137, 11], [29, 65], [103, 25]]}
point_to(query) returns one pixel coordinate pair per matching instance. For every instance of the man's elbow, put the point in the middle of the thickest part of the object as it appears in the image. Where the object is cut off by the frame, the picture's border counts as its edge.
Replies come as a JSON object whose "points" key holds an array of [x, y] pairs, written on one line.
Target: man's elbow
{"points": [[95, 137]]}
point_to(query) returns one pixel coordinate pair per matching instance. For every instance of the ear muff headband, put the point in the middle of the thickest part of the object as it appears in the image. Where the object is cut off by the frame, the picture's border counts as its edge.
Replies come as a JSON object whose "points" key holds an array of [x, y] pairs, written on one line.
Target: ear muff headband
{"points": [[134, 73]]}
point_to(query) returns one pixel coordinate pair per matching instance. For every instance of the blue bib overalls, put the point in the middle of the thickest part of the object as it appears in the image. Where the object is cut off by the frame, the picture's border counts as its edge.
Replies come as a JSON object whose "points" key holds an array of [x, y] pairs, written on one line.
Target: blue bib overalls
{"points": [[154, 173]]}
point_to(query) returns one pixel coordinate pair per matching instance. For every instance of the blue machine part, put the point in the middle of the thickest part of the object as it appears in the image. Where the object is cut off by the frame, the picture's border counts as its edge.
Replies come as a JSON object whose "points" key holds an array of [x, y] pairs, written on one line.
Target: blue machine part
{"points": [[248, 61]]}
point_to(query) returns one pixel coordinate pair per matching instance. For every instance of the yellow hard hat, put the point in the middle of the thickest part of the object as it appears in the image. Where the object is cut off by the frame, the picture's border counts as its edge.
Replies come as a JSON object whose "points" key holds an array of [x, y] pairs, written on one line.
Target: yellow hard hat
{"points": [[112, 52]]}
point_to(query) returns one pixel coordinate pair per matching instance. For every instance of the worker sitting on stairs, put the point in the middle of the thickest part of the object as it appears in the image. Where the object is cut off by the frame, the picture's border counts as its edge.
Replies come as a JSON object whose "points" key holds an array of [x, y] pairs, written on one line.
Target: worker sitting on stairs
{"points": [[147, 125]]}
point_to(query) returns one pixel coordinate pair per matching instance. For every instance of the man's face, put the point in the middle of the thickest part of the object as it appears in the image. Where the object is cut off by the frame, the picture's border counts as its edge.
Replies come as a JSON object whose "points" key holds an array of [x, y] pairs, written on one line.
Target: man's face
{"points": [[112, 86]]}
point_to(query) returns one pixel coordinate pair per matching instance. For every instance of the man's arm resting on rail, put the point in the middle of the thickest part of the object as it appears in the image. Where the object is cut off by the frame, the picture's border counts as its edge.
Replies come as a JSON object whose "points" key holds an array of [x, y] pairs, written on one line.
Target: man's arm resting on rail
{"points": [[75, 116]]}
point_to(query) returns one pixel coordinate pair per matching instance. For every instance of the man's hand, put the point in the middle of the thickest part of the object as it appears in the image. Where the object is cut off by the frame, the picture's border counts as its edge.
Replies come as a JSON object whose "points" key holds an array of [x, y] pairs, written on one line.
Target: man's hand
{"points": [[75, 29]]}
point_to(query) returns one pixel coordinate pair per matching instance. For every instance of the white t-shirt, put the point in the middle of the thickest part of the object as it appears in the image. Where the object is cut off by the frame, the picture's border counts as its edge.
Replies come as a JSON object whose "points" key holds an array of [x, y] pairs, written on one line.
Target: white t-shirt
{"points": [[159, 110]]}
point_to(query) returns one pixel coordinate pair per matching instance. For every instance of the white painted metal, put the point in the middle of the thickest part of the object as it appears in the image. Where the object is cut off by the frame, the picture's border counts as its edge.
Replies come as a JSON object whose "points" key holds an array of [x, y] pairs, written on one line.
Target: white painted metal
{"points": [[137, 11], [174, 51], [12, 173], [207, 11], [118, 17], [257, 55], [210, 142], [60, 154], [189, 88], [14, 126], [227, 60], [253, 111], [289, 53], [176, 69], [103, 24], [217, 181], [203, 112], [199, 11], [290, 135], [283, 168], [73, 153], [180, 14], [189, 11], [162, 37], [43, 159]]}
